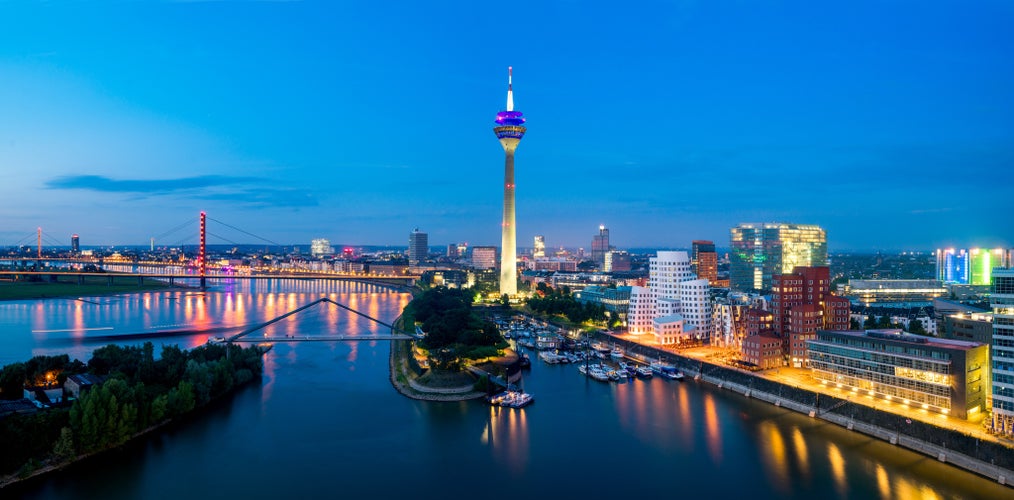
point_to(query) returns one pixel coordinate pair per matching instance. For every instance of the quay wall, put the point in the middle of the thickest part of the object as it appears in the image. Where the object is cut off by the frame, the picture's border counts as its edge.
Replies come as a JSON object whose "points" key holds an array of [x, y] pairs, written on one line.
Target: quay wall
{"points": [[986, 458]]}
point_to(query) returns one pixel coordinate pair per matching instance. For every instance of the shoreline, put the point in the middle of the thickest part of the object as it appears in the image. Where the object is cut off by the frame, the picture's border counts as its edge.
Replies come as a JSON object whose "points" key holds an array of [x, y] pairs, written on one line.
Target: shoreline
{"points": [[403, 380], [89, 290], [866, 420], [13, 480]]}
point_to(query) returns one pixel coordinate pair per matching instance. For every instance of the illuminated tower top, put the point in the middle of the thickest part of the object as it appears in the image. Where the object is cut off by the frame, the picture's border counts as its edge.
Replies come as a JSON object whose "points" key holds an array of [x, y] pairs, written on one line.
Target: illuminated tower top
{"points": [[509, 120]]}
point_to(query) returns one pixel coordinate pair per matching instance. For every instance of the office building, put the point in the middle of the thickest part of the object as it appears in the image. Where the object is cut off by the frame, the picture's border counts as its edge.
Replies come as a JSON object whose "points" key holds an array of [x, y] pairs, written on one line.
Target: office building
{"points": [[1002, 301], [484, 257], [973, 327], [600, 246], [704, 260], [509, 130], [894, 293], [801, 304], [418, 247], [675, 306], [763, 351], [320, 247], [75, 244], [539, 248], [939, 375], [617, 261], [760, 251], [973, 266], [614, 300]]}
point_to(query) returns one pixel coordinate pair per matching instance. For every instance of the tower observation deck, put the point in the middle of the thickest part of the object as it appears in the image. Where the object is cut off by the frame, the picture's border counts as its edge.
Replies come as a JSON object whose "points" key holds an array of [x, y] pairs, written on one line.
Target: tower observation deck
{"points": [[510, 129]]}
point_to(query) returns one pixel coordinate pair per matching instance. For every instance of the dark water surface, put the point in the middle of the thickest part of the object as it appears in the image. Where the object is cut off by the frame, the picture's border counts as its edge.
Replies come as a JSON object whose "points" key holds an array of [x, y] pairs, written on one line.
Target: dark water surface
{"points": [[325, 422]]}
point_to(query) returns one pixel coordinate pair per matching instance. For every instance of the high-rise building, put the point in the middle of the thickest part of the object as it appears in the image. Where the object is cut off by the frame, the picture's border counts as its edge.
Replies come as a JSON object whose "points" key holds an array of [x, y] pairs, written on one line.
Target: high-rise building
{"points": [[509, 130], [1002, 300], [973, 266], [75, 244], [600, 246], [452, 250], [320, 247], [760, 251], [801, 304], [539, 250], [418, 247], [952, 266], [704, 260], [484, 257], [675, 306]]}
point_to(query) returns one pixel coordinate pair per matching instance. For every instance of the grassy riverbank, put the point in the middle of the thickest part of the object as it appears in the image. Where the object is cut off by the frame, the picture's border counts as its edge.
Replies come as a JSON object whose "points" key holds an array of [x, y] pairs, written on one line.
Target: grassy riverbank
{"points": [[92, 286]]}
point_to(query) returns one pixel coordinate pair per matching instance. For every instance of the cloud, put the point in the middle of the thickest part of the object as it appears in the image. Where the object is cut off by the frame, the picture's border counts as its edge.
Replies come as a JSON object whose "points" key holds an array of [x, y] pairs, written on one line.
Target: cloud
{"points": [[149, 186], [251, 191]]}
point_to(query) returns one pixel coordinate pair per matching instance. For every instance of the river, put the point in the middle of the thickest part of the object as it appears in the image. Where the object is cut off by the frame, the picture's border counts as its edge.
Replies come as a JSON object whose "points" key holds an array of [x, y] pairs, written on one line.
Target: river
{"points": [[325, 421]]}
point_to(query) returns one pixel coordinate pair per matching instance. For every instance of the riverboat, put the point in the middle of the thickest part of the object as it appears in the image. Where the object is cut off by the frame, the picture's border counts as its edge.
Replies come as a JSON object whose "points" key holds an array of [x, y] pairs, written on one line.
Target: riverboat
{"points": [[511, 399], [643, 371], [549, 357], [616, 353]]}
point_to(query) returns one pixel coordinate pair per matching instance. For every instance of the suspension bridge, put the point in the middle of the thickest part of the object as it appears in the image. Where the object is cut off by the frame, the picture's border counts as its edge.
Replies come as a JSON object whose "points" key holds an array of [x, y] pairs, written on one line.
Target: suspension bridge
{"points": [[17, 268]]}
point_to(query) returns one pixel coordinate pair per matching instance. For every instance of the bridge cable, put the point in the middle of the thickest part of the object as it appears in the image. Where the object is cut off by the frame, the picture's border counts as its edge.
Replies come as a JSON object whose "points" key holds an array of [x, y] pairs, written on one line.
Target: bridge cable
{"points": [[175, 229], [246, 232]]}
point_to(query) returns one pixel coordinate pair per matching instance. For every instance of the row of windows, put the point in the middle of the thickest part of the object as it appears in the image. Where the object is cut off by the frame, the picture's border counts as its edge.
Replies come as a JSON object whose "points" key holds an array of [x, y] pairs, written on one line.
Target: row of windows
{"points": [[866, 366], [882, 387], [904, 391], [882, 358]]}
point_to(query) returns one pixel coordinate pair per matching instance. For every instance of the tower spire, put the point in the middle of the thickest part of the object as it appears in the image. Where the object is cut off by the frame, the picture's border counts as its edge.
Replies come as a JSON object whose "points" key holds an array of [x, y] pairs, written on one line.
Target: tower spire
{"points": [[510, 92]]}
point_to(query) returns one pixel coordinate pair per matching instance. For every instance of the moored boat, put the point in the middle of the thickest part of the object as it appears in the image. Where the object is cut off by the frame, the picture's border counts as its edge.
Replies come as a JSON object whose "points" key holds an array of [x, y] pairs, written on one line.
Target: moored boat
{"points": [[511, 399]]}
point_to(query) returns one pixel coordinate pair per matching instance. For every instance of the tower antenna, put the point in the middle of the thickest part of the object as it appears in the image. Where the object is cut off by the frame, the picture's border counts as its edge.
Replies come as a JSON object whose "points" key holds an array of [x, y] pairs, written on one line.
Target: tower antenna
{"points": [[510, 91]]}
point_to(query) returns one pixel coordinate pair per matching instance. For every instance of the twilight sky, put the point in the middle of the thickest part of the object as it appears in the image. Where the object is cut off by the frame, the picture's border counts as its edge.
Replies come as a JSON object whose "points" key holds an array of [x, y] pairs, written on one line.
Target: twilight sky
{"points": [[889, 123]]}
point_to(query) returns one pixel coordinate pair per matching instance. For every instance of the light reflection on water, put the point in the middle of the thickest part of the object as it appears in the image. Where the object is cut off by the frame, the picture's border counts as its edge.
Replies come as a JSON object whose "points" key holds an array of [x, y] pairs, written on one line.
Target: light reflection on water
{"points": [[324, 408], [76, 327]]}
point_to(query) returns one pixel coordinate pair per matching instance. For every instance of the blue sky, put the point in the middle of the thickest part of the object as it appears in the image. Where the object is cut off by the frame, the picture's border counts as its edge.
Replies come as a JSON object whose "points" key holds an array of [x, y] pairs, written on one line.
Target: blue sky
{"points": [[890, 124]]}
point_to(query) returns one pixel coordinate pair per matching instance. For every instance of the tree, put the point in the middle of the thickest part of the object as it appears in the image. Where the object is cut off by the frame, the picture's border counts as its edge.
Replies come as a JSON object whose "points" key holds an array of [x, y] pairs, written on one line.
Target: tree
{"points": [[64, 447], [915, 326], [12, 381], [854, 324]]}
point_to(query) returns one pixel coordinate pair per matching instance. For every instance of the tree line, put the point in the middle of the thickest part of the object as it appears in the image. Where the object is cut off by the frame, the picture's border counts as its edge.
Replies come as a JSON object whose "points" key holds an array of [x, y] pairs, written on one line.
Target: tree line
{"points": [[139, 392], [551, 301]]}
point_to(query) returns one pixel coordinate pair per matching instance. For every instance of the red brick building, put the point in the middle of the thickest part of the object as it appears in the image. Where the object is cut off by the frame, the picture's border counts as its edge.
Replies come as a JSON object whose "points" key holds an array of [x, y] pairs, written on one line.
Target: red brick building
{"points": [[758, 321], [802, 304], [764, 350]]}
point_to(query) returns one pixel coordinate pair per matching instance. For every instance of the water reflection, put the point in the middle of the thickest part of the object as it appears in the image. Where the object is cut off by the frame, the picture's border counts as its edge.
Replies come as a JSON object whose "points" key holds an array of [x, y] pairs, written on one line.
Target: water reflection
{"points": [[506, 434], [773, 450], [802, 457], [187, 318], [837, 468], [712, 431]]}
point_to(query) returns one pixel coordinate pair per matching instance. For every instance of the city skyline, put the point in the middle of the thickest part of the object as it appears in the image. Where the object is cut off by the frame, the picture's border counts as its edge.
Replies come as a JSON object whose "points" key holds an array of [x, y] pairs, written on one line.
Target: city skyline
{"points": [[889, 127]]}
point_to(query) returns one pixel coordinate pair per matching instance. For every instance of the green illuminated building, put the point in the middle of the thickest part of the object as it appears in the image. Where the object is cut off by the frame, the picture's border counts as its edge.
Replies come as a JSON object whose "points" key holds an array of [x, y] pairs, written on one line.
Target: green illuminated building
{"points": [[760, 251]]}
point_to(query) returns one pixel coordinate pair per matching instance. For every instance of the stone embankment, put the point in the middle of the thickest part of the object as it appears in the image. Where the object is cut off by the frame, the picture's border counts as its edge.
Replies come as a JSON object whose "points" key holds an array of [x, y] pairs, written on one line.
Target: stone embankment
{"points": [[404, 379], [990, 458]]}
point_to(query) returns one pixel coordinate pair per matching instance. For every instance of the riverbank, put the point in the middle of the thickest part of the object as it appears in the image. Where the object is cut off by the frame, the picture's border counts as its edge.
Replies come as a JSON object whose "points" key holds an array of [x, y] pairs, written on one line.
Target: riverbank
{"points": [[993, 459], [29, 290], [119, 410], [13, 482], [407, 382]]}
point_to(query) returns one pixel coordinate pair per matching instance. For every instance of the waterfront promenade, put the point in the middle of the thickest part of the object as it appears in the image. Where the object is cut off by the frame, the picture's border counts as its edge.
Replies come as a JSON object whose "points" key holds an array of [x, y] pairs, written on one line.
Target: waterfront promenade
{"points": [[959, 442]]}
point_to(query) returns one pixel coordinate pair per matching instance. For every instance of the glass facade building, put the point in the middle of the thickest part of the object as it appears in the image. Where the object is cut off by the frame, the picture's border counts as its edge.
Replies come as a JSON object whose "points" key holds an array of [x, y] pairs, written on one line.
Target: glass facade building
{"points": [[1002, 301], [943, 376], [970, 267], [760, 251]]}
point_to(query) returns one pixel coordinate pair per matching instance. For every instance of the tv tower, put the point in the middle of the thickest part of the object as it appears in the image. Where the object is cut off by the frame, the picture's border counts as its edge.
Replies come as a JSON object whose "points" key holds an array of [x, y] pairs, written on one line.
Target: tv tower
{"points": [[509, 130]]}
